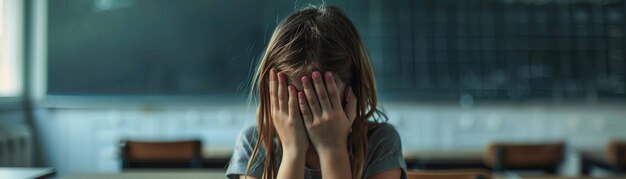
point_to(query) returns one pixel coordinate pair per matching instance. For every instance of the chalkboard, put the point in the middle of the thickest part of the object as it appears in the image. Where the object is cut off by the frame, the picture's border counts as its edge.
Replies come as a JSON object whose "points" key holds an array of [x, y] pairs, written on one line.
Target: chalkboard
{"points": [[421, 49]]}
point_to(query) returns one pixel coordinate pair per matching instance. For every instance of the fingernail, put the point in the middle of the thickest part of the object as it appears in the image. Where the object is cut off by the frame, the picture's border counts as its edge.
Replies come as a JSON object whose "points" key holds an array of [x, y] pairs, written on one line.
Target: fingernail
{"points": [[305, 79], [301, 95], [329, 74], [280, 74], [290, 89], [316, 74]]}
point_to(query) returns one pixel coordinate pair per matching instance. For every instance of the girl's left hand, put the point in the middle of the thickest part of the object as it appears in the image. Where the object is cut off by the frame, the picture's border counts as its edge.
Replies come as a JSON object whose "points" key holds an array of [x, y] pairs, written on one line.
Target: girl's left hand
{"points": [[327, 121]]}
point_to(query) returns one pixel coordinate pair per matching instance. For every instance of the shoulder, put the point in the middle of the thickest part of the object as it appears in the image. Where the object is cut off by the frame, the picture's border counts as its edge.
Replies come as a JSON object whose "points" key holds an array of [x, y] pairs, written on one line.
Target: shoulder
{"points": [[384, 140], [249, 132], [382, 132], [384, 150], [244, 149], [247, 140]]}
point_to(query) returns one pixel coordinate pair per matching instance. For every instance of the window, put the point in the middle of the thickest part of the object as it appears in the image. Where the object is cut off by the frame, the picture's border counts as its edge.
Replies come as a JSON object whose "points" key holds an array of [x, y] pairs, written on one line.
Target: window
{"points": [[10, 48]]}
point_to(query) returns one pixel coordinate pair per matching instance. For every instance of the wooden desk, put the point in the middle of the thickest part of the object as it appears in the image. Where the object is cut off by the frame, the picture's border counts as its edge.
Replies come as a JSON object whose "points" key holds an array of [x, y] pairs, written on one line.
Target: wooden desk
{"points": [[20, 172], [151, 174], [444, 159], [219, 174]]}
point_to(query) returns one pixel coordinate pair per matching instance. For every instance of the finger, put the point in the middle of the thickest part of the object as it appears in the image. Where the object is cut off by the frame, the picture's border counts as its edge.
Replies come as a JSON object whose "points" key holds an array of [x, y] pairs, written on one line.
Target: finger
{"points": [[333, 92], [320, 90], [311, 97], [294, 111], [307, 117], [351, 102], [282, 92], [273, 87]]}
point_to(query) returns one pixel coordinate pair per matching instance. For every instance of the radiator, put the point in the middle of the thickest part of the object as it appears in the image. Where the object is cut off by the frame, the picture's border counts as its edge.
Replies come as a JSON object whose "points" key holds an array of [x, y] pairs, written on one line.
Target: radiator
{"points": [[16, 149]]}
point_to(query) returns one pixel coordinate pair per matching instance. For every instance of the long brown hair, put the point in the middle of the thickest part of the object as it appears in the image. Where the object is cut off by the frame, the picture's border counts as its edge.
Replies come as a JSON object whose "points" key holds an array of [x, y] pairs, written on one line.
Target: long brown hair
{"points": [[317, 38]]}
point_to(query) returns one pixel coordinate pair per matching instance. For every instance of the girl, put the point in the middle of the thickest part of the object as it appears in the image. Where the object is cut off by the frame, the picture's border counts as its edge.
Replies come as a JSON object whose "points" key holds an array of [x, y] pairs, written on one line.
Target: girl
{"points": [[317, 94]]}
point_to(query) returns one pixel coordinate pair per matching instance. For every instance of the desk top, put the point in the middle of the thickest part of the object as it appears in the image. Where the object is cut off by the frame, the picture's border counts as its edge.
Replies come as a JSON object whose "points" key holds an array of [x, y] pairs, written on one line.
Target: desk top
{"points": [[151, 174], [23, 172]]}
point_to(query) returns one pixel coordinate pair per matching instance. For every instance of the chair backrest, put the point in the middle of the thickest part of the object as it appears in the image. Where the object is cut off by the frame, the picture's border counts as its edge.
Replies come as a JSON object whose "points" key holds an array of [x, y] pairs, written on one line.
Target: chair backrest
{"points": [[155, 153], [450, 174], [521, 155], [616, 153]]}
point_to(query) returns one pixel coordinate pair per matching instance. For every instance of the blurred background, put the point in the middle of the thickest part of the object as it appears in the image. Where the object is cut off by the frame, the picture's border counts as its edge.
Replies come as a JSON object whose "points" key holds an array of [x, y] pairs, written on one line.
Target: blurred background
{"points": [[79, 78]]}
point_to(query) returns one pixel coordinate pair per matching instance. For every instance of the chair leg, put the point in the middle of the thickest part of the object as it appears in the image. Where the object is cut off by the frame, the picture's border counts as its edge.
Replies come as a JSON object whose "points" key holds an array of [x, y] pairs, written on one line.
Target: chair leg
{"points": [[585, 169], [619, 163]]}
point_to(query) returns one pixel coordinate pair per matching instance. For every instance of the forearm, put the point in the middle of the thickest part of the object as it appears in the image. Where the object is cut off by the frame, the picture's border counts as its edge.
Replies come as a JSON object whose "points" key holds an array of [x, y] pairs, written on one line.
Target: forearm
{"points": [[292, 165], [335, 164]]}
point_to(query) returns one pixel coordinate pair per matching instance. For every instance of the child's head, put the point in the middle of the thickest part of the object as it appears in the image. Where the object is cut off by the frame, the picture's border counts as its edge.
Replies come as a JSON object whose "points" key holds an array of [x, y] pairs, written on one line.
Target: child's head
{"points": [[321, 39], [318, 39]]}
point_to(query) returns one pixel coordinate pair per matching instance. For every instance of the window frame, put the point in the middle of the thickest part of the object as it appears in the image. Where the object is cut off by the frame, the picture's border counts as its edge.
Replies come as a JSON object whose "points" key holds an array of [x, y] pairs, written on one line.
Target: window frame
{"points": [[13, 33]]}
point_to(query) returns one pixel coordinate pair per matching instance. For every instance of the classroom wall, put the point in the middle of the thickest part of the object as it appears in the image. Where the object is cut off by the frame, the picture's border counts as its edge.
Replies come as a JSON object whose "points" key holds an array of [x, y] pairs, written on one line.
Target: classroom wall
{"points": [[10, 117], [85, 140]]}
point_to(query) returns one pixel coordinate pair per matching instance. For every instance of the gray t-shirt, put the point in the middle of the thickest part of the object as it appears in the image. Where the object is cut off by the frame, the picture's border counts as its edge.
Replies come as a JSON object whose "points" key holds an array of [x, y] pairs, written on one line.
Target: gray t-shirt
{"points": [[384, 151]]}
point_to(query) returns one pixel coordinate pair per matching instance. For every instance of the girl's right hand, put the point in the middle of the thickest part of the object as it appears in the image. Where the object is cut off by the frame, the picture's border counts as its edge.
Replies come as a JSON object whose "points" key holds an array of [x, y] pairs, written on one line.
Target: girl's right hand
{"points": [[286, 115]]}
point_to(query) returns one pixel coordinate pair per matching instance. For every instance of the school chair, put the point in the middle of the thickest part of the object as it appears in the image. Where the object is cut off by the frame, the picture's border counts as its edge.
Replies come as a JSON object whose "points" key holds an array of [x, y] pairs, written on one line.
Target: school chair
{"points": [[161, 154], [547, 157], [614, 159]]}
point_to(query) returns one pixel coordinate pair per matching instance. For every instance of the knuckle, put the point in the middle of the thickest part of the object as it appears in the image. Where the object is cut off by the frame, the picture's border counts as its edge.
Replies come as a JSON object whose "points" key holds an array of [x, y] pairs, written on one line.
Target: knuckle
{"points": [[289, 123], [326, 116]]}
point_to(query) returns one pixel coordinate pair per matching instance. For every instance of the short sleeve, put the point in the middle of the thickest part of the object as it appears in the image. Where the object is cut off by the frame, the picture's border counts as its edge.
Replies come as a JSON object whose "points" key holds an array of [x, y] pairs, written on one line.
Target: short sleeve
{"points": [[384, 152], [242, 153]]}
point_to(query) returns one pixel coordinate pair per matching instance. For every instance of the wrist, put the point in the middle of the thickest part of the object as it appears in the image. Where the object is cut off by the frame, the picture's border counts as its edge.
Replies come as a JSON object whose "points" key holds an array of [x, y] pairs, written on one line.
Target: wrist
{"points": [[292, 164], [333, 157], [332, 151], [294, 153]]}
